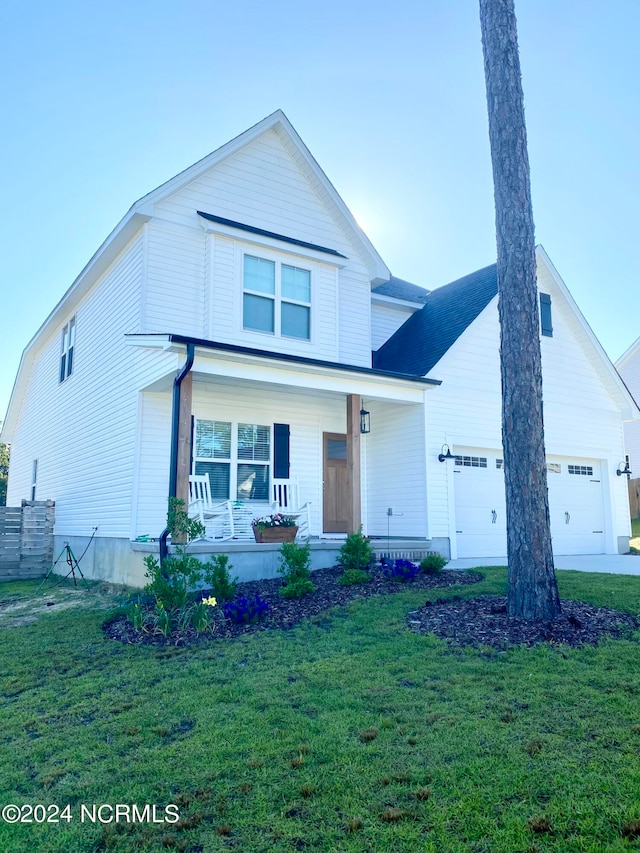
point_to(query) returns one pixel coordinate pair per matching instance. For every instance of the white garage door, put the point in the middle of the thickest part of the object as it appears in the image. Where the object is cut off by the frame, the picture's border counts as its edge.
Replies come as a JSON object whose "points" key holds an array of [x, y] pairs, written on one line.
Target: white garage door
{"points": [[575, 504], [480, 504]]}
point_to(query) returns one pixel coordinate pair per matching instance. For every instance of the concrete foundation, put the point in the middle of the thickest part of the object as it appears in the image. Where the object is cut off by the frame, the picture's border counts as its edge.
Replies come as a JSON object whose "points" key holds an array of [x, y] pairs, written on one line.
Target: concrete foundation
{"points": [[122, 562]]}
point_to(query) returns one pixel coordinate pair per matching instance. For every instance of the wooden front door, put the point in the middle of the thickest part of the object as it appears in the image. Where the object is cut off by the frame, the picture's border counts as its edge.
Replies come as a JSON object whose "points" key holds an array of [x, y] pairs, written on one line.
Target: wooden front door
{"points": [[336, 492]]}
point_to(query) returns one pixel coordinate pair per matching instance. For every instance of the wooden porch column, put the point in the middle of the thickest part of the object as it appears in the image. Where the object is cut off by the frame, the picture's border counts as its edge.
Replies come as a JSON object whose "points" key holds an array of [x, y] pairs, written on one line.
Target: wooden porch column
{"points": [[184, 440], [353, 461]]}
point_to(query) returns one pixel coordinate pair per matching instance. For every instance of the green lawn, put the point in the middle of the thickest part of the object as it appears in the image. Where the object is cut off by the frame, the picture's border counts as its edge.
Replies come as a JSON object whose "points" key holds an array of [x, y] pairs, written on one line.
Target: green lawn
{"points": [[635, 527], [347, 733]]}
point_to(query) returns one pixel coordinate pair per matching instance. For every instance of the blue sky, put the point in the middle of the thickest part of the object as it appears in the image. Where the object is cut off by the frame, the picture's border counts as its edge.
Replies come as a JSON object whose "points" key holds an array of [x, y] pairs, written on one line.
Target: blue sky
{"points": [[103, 102]]}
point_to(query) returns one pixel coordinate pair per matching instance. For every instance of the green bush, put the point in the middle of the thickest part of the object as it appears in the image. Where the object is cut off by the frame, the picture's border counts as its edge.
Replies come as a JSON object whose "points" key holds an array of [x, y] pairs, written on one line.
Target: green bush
{"points": [[297, 588], [356, 552], [218, 579], [295, 567], [170, 584], [353, 576], [433, 564]]}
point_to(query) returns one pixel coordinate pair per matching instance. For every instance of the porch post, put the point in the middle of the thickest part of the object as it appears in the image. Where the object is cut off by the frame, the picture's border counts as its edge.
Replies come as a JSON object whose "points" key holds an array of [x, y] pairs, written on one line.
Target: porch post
{"points": [[353, 461], [183, 467]]}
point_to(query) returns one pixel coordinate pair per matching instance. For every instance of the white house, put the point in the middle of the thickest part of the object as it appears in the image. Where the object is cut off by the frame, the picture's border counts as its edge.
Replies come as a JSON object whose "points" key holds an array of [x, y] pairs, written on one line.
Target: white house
{"points": [[237, 321], [628, 366]]}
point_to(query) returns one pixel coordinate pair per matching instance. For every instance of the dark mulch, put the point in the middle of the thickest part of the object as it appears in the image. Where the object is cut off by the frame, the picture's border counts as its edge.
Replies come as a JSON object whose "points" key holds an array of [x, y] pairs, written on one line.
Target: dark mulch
{"points": [[285, 613], [483, 621]]}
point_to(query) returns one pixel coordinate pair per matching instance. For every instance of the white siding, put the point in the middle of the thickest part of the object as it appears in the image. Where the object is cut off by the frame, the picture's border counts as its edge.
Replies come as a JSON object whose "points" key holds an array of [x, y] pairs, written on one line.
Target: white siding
{"points": [[175, 292], [195, 281], [580, 416], [395, 464], [83, 431], [354, 313], [385, 320]]}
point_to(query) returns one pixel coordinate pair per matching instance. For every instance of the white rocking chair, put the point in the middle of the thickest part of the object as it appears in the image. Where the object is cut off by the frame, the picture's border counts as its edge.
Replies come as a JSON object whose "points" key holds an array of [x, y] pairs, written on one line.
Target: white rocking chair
{"points": [[287, 500], [217, 518]]}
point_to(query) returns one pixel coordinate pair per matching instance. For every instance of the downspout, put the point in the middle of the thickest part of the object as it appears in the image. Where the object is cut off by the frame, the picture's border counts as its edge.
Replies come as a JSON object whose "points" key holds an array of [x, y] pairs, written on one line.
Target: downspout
{"points": [[175, 429]]}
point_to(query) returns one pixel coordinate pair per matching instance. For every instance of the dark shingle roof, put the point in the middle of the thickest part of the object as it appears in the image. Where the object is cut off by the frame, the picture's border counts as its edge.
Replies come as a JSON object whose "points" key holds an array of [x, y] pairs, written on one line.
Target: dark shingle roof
{"points": [[401, 289], [425, 337]]}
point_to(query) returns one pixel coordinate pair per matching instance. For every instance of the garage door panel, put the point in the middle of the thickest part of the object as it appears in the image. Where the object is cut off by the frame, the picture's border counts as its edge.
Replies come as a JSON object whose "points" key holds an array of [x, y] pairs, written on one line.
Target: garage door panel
{"points": [[576, 504]]}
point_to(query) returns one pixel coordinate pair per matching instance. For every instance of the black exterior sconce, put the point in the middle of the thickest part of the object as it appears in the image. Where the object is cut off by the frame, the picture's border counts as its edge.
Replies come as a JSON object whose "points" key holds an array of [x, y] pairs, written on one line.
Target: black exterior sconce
{"points": [[365, 421], [442, 456], [623, 468]]}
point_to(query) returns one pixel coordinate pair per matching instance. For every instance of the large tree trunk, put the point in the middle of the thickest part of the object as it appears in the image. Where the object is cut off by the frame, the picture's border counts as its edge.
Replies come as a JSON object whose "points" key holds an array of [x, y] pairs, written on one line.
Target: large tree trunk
{"points": [[532, 587]]}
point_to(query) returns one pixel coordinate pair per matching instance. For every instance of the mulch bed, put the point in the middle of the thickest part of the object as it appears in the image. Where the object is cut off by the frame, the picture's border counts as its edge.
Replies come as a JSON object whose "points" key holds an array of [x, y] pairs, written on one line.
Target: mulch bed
{"points": [[483, 621], [285, 613]]}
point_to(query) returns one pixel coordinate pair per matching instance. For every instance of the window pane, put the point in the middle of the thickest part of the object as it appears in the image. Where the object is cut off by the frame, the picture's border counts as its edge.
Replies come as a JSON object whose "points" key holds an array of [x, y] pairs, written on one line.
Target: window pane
{"points": [[259, 275], [296, 284], [253, 442], [258, 313], [213, 439], [70, 361], [337, 448], [253, 482], [63, 367], [218, 478], [295, 321]]}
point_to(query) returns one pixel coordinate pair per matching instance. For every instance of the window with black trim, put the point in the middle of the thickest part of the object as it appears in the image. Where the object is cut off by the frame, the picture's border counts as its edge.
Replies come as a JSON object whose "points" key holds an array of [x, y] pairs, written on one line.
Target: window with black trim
{"points": [[276, 298], [546, 326], [67, 349]]}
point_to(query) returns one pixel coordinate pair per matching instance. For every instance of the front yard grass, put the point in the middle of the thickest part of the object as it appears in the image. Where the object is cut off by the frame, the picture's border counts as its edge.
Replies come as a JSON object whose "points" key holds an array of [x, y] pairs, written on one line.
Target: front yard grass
{"points": [[347, 733]]}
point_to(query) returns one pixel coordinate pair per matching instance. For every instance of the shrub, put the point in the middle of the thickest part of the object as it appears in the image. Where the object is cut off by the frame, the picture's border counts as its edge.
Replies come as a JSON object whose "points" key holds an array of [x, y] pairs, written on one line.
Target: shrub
{"points": [[356, 552], [433, 564], [295, 567], [353, 576], [401, 571], [169, 584], [217, 578], [245, 609], [297, 588]]}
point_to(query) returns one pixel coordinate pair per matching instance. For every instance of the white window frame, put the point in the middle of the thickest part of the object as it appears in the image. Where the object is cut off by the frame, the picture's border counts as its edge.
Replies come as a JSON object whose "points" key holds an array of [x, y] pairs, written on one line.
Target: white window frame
{"points": [[278, 299], [234, 460], [67, 350], [34, 479]]}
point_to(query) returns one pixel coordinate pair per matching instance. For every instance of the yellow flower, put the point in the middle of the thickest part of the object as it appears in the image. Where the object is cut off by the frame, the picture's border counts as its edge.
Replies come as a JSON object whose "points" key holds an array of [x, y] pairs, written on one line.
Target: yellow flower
{"points": [[211, 601]]}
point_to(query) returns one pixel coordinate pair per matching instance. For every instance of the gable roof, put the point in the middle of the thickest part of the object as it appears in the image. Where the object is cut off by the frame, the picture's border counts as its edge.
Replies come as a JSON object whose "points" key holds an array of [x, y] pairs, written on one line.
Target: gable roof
{"points": [[143, 210], [426, 336], [398, 288]]}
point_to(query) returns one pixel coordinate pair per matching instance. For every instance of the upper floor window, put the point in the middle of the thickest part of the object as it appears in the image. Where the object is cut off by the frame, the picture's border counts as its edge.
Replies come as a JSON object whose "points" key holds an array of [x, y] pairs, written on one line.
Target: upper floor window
{"points": [[545, 315], [68, 344], [276, 298]]}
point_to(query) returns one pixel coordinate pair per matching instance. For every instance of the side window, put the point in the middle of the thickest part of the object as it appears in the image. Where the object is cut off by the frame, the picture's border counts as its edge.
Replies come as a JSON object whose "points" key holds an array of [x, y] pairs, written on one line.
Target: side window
{"points": [[67, 348], [545, 315]]}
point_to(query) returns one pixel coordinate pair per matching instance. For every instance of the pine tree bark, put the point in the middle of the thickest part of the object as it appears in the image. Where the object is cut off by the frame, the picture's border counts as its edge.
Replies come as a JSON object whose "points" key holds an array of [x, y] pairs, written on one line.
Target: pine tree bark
{"points": [[532, 588]]}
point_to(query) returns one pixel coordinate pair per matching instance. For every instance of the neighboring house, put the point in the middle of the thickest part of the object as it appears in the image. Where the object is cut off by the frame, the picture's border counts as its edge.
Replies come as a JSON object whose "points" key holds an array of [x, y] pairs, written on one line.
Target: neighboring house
{"points": [[251, 264], [628, 366]]}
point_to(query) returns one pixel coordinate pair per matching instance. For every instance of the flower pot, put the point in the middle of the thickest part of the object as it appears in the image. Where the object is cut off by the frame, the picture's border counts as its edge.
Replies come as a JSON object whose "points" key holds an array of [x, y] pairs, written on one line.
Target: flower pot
{"points": [[275, 534]]}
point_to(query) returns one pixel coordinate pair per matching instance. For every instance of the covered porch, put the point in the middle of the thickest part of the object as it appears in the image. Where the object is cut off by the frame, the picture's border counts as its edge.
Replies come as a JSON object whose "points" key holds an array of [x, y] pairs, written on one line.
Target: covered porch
{"points": [[249, 418]]}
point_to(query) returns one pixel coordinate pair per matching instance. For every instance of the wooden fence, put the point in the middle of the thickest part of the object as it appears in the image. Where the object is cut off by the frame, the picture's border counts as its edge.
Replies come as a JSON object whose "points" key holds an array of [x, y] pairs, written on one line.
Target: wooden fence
{"points": [[26, 539], [634, 497]]}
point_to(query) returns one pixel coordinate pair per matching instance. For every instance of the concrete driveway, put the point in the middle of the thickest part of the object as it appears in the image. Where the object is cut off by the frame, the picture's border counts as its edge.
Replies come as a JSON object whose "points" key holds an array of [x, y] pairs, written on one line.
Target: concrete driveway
{"points": [[614, 564]]}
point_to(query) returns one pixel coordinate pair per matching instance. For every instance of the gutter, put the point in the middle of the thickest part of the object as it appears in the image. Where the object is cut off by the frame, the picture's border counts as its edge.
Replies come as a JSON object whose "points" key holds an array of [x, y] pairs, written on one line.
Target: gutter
{"points": [[175, 427]]}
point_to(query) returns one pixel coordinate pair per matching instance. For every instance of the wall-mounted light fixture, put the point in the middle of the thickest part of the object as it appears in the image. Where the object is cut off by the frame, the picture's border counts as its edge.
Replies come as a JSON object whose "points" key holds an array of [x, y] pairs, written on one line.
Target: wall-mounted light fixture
{"points": [[365, 421], [623, 468], [442, 456]]}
